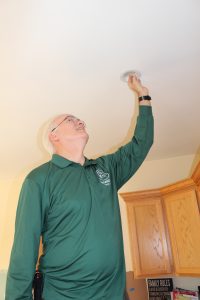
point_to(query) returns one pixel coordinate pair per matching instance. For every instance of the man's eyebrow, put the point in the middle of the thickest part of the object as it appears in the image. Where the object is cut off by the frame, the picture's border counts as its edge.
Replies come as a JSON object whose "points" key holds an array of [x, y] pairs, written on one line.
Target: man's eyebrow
{"points": [[70, 116]]}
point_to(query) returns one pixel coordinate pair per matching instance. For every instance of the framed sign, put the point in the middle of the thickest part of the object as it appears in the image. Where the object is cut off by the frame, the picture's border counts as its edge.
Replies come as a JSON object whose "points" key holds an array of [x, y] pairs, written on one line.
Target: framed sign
{"points": [[160, 288]]}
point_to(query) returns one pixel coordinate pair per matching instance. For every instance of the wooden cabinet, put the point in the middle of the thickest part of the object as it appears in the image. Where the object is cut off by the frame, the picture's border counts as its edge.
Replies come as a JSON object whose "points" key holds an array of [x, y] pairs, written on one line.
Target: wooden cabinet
{"points": [[148, 236], [183, 221], [164, 228]]}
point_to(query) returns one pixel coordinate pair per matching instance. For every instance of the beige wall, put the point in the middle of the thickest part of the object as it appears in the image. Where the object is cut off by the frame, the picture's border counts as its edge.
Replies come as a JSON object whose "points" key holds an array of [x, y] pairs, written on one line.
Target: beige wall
{"points": [[152, 174], [9, 191]]}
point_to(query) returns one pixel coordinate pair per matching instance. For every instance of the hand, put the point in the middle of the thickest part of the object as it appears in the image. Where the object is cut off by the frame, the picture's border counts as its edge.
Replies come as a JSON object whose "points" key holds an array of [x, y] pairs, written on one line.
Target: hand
{"points": [[136, 86]]}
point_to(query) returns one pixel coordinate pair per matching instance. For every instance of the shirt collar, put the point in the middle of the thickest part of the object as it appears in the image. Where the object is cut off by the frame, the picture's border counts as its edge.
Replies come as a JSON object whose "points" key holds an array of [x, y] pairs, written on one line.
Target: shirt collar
{"points": [[63, 162], [89, 162]]}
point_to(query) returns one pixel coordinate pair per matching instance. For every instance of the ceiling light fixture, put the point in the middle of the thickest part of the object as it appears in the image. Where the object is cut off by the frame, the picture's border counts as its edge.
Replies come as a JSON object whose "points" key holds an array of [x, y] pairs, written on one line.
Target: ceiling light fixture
{"points": [[125, 75]]}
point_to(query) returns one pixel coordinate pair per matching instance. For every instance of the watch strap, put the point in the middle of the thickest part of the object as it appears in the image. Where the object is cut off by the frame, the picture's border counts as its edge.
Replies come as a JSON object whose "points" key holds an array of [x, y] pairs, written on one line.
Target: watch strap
{"points": [[146, 97]]}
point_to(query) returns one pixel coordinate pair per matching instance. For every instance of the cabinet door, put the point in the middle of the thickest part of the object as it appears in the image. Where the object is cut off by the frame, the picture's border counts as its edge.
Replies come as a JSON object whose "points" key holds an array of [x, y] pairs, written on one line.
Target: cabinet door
{"points": [[184, 230], [148, 238]]}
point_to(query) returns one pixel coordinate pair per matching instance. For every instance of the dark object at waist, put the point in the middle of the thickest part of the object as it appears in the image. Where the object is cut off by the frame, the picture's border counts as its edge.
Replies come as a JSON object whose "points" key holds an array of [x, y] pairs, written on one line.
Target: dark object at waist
{"points": [[37, 286]]}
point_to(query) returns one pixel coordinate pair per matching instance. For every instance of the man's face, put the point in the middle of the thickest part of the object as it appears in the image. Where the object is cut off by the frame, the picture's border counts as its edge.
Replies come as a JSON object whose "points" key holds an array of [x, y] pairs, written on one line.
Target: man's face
{"points": [[69, 127]]}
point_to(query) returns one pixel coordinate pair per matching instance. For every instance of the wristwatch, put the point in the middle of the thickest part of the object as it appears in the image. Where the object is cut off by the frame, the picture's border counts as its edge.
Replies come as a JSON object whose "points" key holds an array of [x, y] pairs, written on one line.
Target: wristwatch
{"points": [[147, 97]]}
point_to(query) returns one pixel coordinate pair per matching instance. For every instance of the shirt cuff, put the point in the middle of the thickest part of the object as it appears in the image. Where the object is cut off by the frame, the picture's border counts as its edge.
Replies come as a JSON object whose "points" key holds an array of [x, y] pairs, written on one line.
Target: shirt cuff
{"points": [[145, 110]]}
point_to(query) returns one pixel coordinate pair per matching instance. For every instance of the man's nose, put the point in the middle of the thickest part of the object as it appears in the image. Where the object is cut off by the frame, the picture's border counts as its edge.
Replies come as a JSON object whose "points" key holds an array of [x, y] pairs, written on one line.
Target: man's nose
{"points": [[80, 122]]}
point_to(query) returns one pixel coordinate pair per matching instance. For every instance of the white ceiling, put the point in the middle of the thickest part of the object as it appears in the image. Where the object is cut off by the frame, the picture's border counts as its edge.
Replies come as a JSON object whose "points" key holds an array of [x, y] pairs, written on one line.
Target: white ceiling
{"points": [[61, 56]]}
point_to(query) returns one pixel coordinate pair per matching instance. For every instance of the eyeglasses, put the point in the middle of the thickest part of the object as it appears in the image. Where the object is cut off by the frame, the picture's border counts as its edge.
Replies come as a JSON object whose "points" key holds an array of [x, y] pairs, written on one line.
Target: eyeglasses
{"points": [[68, 119]]}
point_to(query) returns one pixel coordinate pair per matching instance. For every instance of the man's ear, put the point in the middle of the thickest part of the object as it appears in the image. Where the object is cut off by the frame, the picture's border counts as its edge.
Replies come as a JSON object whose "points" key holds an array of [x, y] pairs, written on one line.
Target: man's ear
{"points": [[53, 137]]}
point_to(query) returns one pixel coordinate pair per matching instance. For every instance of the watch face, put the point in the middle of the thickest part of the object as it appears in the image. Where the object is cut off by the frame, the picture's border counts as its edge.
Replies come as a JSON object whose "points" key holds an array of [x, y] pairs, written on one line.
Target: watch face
{"points": [[125, 75]]}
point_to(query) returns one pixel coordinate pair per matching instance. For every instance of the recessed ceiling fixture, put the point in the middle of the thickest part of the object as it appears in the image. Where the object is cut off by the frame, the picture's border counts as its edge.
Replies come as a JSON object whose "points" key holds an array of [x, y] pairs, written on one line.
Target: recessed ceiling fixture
{"points": [[125, 75]]}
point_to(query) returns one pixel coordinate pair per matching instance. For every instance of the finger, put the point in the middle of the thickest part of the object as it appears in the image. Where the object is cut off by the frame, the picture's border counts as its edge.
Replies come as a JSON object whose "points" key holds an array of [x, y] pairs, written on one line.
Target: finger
{"points": [[130, 78], [134, 76]]}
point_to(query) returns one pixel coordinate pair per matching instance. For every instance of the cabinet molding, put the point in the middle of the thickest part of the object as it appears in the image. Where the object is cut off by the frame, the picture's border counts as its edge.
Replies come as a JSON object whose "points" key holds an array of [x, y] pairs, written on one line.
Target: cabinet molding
{"points": [[196, 175], [196, 178], [186, 184]]}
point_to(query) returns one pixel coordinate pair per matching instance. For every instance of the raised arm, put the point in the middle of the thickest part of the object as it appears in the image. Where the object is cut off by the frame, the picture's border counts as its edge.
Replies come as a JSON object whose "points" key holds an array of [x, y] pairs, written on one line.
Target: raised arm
{"points": [[125, 162]]}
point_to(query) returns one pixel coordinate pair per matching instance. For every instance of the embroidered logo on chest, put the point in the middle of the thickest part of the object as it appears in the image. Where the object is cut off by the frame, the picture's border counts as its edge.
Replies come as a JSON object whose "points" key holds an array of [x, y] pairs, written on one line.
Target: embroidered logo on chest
{"points": [[104, 178]]}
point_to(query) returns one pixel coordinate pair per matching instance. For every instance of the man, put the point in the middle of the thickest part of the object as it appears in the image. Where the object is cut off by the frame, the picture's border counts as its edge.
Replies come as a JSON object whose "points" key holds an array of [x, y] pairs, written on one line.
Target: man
{"points": [[72, 202]]}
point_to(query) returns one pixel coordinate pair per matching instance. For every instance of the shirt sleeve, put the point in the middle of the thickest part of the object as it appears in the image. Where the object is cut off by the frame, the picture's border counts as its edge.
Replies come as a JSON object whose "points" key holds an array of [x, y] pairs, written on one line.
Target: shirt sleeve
{"points": [[128, 158], [24, 254]]}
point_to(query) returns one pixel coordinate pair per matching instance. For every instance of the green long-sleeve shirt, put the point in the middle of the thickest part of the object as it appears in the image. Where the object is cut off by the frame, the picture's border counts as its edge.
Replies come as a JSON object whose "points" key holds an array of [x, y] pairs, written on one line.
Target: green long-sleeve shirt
{"points": [[75, 208]]}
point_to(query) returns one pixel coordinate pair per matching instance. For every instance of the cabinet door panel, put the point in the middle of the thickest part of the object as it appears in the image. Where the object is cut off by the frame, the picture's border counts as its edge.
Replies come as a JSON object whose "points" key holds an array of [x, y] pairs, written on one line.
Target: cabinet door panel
{"points": [[148, 238], [184, 229]]}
